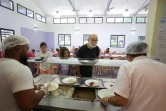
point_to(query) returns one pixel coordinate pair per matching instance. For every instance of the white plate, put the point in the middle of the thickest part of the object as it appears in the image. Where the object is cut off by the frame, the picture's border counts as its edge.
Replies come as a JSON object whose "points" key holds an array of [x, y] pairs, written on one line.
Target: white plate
{"points": [[109, 85], [69, 80], [105, 93], [96, 83], [53, 86]]}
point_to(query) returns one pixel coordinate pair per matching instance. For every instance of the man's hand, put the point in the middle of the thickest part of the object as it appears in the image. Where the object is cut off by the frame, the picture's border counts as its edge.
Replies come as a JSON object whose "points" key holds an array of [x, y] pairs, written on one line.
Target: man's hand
{"points": [[38, 87], [45, 89], [115, 101], [104, 101]]}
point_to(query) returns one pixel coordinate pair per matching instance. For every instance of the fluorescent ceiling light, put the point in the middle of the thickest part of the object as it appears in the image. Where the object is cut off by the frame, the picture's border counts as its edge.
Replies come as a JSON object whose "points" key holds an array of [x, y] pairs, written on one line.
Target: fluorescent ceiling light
{"points": [[126, 13], [57, 15], [90, 13]]}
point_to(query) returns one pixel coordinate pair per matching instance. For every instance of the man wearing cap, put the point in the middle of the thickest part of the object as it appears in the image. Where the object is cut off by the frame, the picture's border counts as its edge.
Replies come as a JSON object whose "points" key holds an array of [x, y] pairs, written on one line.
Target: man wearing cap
{"points": [[141, 83], [89, 51], [17, 91]]}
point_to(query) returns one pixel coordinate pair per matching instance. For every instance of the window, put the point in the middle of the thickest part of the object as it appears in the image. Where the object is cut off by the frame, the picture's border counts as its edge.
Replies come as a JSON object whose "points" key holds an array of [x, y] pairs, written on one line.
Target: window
{"points": [[63, 20], [141, 19], [40, 18], [110, 20], [7, 4], [141, 38], [99, 20], [85, 38], [70, 20], [5, 33], [128, 20], [117, 41], [23, 10], [82, 20], [64, 39], [119, 19], [91, 20], [29, 13]]}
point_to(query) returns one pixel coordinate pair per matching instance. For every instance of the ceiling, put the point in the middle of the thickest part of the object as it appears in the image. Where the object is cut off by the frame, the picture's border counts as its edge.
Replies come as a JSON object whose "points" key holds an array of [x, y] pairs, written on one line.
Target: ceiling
{"points": [[49, 7]]}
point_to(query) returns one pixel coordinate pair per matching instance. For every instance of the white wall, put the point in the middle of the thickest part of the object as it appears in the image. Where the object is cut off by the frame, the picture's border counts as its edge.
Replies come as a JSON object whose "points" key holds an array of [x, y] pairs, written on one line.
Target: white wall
{"points": [[13, 20], [102, 30]]}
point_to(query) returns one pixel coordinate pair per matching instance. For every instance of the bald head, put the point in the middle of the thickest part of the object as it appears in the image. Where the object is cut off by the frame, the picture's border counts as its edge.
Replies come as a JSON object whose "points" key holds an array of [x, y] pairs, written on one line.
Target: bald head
{"points": [[93, 36]]}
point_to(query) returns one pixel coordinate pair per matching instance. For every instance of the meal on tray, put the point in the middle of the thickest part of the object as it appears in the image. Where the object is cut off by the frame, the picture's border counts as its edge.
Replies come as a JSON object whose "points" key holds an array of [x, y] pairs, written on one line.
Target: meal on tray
{"points": [[92, 82]]}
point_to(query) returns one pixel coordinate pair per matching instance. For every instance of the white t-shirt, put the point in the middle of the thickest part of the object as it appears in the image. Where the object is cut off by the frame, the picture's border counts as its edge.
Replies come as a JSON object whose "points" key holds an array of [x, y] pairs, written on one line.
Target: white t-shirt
{"points": [[14, 77], [143, 83], [44, 66]]}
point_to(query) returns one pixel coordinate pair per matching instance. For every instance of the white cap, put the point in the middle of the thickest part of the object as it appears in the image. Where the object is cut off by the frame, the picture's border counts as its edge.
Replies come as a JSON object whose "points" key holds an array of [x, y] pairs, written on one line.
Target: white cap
{"points": [[137, 48], [14, 40]]}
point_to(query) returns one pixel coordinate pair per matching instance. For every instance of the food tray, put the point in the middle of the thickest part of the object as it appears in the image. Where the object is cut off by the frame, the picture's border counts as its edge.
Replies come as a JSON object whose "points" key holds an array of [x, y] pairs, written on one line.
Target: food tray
{"points": [[101, 85], [59, 79], [64, 92], [84, 94]]}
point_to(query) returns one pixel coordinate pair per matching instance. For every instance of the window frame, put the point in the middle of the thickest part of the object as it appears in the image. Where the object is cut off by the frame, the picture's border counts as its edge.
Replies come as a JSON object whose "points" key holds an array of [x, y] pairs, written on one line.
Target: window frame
{"points": [[5, 29], [64, 40], [91, 17], [83, 38], [26, 11], [41, 18], [117, 41], [141, 22], [140, 39], [119, 22], [64, 18], [7, 7]]}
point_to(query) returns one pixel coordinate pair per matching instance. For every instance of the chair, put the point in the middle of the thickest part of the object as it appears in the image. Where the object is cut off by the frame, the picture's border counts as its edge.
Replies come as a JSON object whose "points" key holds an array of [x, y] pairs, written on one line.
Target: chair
{"points": [[109, 69], [114, 53], [123, 53], [116, 68], [124, 58], [119, 57]]}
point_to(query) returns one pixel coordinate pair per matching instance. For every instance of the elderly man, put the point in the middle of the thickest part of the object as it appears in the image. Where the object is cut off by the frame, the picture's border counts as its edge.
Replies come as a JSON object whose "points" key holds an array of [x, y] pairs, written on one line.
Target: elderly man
{"points": [[141, 83], [89, 50], [17, 91]]}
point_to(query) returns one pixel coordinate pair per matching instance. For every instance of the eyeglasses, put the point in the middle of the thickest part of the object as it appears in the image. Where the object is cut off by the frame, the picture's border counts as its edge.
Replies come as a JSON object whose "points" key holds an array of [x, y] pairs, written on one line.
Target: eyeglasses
{"points": [[94, 40]]}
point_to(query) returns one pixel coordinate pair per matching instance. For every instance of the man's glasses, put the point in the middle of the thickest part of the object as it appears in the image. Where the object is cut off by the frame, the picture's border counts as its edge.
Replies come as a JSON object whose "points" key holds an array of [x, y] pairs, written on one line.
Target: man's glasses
{"points": [[94, 40]]}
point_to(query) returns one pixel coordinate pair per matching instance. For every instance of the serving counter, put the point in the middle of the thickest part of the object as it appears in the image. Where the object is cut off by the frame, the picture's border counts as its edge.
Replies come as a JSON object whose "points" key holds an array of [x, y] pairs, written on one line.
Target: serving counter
{"points": [[83, 62], [70, 104]]}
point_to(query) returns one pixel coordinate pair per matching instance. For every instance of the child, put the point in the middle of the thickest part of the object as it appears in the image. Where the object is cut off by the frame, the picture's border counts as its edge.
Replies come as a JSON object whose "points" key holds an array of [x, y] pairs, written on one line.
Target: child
{"points": [[63, 68], [45, 68]]}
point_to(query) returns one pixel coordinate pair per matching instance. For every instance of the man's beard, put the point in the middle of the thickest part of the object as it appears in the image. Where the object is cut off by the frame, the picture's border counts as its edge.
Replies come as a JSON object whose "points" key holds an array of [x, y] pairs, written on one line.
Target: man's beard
{"points": [[92, 46], [23, 60]]}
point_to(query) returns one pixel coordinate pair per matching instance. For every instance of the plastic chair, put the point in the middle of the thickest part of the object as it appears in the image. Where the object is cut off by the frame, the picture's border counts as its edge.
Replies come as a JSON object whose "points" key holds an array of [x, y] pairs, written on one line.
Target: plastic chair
{"points": [[114, 53]]}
